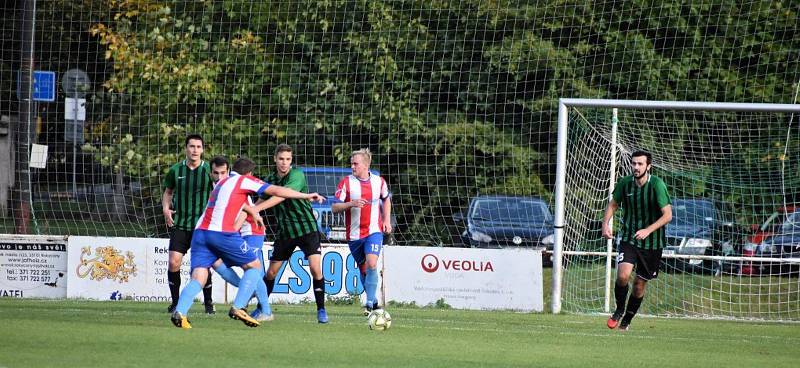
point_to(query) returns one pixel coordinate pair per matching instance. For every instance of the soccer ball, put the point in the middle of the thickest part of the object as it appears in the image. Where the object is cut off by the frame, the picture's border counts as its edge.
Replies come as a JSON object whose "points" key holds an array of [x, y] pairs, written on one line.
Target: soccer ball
{"points": [[379, 320]]}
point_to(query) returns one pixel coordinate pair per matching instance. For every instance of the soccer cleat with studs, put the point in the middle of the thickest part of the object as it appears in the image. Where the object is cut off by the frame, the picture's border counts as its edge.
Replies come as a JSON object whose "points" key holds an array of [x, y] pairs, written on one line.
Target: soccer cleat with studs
{"points": [[241, 315], [180, 320], [613, 321], [210, 308], [322, 316]]}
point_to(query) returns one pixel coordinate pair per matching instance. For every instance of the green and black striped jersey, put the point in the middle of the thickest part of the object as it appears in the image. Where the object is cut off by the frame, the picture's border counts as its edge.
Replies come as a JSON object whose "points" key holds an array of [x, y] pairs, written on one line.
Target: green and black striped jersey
{"points": [[190, 189], [295, 216], [642, 207]]}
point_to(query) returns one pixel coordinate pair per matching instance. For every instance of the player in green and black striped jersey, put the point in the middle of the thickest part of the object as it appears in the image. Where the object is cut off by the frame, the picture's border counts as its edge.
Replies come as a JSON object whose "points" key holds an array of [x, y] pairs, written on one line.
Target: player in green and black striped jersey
{"points": [[646, 211], [186, 189], [297, 227]]}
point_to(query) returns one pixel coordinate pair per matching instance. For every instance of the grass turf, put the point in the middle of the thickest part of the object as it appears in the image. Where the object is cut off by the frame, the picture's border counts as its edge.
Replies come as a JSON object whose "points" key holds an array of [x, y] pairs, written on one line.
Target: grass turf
{"points": [[42, 333]]}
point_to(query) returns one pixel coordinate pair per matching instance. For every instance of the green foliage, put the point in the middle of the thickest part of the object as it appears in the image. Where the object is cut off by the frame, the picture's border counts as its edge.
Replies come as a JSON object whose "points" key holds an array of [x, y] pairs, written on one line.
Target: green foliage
{"points": [[463, 92]]}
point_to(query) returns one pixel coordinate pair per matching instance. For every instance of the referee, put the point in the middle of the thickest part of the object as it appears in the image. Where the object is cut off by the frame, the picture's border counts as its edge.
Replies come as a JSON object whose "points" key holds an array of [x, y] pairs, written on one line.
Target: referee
{"points": [[186, 189], [647, 209], [297, 227]]}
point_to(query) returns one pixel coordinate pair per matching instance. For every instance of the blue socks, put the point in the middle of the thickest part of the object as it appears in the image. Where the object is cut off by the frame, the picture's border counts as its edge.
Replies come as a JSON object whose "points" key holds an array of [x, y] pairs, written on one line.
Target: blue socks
{"points": [[187, 296], [228, 275], [248, 285], [371, 285]]}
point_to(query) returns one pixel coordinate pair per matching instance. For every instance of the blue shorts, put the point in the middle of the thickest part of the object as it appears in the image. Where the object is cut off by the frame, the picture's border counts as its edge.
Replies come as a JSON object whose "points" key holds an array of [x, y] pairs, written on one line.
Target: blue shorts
{"points": [[257, 241], [372, 244], [231, 247]]}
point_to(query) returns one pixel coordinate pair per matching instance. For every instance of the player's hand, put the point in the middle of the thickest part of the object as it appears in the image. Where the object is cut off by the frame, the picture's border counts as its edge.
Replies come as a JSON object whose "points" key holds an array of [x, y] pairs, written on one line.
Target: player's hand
{"points": [[240, 221], [168, 217], [642, 234], [387, 227], [259, 222], [358, 203], [607, 232], [316, 197]]}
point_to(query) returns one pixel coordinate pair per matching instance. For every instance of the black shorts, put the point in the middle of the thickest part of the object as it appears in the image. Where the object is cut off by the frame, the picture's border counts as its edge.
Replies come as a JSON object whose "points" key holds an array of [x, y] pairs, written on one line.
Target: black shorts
{"points": [[180, 240], [646, 261], [282, 248]]}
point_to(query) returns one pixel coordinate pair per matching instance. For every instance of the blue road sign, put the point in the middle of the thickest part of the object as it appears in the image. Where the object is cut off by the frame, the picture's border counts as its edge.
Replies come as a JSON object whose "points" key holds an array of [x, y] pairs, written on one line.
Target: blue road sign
{"points": [[44, 85]]}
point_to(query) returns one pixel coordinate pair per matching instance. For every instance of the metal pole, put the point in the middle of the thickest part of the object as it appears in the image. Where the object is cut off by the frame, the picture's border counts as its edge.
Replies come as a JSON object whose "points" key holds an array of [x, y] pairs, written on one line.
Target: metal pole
{"points": [[22, 187], [74, 140], [612, 177], [561, 175]]}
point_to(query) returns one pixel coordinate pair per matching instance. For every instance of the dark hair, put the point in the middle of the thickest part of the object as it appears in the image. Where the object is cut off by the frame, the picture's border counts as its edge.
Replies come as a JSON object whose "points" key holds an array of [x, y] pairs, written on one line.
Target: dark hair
{"points": [[645, 154], [244, 165], [193, 136], [219, 161], [283, 147]]}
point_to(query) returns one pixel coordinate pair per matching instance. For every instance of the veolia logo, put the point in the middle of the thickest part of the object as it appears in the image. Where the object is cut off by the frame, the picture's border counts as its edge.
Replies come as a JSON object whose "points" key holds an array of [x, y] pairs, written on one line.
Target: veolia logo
{"points": [[430, 263]]}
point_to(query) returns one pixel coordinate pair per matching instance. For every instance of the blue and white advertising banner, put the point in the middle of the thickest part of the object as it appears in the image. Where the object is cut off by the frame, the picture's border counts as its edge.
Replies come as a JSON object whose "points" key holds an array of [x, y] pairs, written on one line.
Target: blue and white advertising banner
{"points": [[465, 278], [33, 266], [136, 269]]}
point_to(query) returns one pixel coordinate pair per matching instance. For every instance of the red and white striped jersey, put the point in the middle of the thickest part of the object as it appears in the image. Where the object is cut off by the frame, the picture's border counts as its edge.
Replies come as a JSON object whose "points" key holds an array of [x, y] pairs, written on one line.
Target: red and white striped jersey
{"points": [[361, 222], [249, 226], [227, 200]]}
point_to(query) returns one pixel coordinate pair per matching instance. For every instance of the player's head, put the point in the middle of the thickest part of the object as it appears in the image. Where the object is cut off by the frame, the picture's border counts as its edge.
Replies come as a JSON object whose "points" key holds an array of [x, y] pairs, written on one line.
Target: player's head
{"points": [[283, 158], [360, 161], [194, 147], [640, 163], [219, 168], [244, 166]]}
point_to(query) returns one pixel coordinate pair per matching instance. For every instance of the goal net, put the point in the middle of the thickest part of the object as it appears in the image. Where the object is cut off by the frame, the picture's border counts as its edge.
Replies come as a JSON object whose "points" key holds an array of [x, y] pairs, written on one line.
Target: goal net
{"points": [[733, 245]]}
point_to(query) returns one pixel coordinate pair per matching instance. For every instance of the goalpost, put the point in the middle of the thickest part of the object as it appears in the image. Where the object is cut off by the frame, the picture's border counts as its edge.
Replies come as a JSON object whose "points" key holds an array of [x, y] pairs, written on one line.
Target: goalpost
{"points": [[729, 167]]}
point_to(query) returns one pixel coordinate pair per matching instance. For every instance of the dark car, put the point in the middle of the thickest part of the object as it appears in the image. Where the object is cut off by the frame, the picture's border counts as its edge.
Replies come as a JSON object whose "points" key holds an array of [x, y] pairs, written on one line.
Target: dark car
{"points": [[783, 243], [699, 227], [507, 221]]}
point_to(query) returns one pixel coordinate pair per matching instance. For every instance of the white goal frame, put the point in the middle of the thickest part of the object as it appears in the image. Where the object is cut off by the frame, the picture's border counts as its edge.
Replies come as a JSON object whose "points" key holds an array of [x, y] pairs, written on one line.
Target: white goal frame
{"points": [[564, 105]]}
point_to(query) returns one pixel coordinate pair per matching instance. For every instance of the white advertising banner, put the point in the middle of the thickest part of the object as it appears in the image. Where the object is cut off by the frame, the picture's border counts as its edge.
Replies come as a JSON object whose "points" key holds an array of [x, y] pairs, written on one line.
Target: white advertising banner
{"points": [[33, 267], [465, 278], [125, 269], [136, 269]]}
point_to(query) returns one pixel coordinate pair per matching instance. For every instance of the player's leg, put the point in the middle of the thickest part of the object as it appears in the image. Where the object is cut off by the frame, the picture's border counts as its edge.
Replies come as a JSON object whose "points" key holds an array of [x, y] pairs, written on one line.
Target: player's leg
{"points": [[201, 260], [235, 251], [281, 251], [647, 267], [226, 273], [179, 242], [372, 250], [264, 311], [312, 249], [625, 261], [208, 302], [357, 251]]}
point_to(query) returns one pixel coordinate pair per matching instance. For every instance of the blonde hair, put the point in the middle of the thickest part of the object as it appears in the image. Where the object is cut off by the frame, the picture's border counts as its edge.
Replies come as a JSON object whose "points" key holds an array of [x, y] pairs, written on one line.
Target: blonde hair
{"points": [[365, 153]]}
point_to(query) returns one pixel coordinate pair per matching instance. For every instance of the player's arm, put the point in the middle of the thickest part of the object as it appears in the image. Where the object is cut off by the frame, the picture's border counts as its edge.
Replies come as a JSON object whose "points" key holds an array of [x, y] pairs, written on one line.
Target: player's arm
{"points": [[612, 207], [343, 206], [276, 190], [166, 202], [387, 215], [269, 203], [666, 217], [252, 212]]}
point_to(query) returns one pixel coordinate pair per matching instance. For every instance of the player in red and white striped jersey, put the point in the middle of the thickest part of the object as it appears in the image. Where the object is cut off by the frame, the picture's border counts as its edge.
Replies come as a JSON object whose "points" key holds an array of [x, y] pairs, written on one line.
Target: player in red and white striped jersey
{"points": [[216, 236], [366, 200]]}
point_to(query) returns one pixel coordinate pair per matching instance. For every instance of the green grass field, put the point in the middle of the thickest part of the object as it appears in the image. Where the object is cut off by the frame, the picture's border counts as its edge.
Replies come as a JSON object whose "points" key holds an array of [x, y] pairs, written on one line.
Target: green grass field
{"points": [[39, 333]]}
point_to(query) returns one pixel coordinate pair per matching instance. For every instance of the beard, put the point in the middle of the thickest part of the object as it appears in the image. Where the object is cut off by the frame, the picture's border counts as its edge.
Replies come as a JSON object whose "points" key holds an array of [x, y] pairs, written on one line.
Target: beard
{"points": [[639, 176]]}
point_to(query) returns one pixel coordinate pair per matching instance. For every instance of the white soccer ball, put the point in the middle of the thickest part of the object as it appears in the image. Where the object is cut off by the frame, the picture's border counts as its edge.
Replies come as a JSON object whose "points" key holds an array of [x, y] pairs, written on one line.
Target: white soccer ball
{"points": [[379, 320]]}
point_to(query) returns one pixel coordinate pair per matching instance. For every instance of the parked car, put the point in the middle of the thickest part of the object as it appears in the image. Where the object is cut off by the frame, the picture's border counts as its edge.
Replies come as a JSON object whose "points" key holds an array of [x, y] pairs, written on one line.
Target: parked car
{"points": [[699, 227], [496, 221], [780, 236]]}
